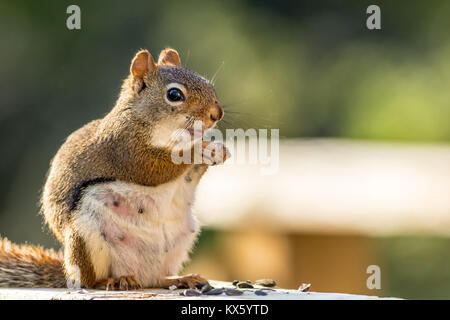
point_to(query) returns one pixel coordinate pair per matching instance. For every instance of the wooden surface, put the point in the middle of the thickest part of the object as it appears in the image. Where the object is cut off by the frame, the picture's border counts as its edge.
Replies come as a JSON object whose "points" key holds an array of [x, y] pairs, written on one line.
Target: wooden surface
{"points": [[155, 294]]}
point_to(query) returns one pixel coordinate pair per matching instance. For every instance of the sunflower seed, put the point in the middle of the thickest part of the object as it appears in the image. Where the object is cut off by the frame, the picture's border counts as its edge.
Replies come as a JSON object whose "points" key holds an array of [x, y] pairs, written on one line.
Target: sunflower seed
{"points": [[304, 287], [191, 293], [244, 285], [233, 292], [206, 288], [266, 282], [214, 292]]}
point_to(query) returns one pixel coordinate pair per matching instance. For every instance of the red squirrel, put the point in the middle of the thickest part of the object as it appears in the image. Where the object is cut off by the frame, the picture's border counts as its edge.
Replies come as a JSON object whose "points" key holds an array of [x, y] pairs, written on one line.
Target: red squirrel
{"points": [[114, 198]]}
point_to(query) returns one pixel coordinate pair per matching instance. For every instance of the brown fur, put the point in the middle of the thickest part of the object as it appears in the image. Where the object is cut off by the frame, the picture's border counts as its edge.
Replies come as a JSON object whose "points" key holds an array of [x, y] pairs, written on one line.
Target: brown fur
{"points": [[169, 57], [113, 148], [116, 147], [30, 266], [76, 255]]}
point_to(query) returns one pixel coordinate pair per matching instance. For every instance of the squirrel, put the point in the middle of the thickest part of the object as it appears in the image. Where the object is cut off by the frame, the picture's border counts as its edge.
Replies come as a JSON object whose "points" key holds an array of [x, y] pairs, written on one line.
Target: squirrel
{"points": [[113, 197]]}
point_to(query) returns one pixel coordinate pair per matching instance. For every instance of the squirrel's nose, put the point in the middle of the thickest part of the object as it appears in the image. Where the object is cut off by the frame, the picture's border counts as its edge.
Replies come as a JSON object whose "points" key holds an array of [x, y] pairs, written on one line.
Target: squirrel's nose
{"points": [[215, 113]]}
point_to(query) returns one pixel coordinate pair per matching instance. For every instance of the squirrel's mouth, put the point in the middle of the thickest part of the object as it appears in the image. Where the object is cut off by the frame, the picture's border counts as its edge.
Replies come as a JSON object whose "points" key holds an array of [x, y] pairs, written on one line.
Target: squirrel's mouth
{"points": [[196, 132], [199, 129]]}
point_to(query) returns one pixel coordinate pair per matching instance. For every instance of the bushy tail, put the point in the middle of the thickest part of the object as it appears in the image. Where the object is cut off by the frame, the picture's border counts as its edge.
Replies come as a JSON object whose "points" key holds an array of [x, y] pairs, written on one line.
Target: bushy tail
{"points": [[30, 266]]}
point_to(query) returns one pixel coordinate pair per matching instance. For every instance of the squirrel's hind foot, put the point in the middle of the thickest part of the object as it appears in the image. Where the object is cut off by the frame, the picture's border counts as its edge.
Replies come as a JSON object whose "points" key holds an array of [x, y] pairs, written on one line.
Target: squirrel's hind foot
{"points": [[124, 283], [191, 281]]}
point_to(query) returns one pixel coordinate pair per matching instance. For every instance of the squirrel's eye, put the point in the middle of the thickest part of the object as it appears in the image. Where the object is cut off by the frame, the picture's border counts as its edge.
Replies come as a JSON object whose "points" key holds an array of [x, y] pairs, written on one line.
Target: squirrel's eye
{"points": [[175, 95]]}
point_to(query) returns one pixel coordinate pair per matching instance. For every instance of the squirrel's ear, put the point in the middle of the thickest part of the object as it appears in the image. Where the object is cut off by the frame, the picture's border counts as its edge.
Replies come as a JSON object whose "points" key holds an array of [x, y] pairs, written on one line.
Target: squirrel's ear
{"points": [[142, 64], [169, 57]]}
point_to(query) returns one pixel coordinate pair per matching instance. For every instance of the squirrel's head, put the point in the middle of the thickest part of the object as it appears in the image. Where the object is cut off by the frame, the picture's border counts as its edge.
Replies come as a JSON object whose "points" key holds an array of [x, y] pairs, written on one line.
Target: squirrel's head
{"points": [[164, 97]]}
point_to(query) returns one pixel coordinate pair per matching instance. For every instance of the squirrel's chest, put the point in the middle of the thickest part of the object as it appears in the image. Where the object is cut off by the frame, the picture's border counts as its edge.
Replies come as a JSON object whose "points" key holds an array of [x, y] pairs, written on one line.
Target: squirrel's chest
{"points": [[136, 230]]}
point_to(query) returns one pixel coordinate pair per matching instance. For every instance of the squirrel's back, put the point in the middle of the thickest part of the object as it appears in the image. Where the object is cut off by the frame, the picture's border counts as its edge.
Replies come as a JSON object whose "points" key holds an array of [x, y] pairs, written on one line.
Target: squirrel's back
{"points": [[30, 266]]}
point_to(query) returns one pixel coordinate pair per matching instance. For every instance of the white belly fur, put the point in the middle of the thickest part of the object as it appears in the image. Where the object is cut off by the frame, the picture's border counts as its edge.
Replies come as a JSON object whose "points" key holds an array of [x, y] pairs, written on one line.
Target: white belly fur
{"points": [[145, 232]]}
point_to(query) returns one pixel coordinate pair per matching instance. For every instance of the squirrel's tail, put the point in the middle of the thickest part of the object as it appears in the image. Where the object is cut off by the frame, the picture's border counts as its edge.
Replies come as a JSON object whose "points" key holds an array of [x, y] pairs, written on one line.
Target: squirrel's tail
{"points": [[30, 266]]}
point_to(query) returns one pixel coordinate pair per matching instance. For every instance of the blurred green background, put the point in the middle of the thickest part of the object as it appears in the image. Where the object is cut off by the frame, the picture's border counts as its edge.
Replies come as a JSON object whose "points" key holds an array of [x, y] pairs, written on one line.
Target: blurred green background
{"points": [[312, 69]]}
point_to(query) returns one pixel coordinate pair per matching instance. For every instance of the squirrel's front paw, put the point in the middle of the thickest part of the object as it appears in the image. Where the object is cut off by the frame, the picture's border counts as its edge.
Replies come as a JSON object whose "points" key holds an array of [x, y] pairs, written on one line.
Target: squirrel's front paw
{"points": [[214, 152]]}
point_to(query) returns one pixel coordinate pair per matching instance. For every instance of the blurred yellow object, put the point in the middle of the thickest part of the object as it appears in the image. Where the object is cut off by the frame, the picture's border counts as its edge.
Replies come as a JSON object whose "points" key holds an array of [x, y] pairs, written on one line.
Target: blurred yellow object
{"points": [[334, 186]]}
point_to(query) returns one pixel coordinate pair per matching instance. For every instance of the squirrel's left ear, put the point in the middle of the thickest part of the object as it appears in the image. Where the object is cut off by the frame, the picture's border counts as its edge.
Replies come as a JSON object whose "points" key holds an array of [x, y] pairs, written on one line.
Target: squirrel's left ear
{"points": [[169, 57], [142, 64]]}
